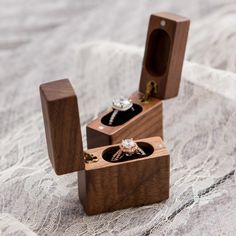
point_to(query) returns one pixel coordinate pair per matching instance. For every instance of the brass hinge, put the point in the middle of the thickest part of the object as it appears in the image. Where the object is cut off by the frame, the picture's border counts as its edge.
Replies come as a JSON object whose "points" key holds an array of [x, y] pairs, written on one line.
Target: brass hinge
{"points": [[90, 158], [150, 91]]}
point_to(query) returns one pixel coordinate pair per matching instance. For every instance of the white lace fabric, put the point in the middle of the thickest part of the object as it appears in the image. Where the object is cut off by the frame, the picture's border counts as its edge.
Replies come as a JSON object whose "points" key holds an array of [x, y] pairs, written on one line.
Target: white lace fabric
{"points": [[199, 124]]}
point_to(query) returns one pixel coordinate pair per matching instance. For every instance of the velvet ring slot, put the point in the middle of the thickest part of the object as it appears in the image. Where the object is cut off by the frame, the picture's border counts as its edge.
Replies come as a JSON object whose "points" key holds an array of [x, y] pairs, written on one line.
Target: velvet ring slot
{"points": [[122, 116], [109, 152]]}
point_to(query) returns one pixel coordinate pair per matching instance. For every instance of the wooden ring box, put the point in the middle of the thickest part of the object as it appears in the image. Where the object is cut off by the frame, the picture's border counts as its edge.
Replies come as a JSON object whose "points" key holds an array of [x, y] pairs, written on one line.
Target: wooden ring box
{"points": [[103, 185], [162, 64]]}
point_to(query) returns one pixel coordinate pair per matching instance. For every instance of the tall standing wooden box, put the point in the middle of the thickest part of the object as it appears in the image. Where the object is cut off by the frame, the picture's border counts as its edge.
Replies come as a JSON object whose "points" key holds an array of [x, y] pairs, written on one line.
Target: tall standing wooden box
{"points": [[103, 185], [160, 79]]}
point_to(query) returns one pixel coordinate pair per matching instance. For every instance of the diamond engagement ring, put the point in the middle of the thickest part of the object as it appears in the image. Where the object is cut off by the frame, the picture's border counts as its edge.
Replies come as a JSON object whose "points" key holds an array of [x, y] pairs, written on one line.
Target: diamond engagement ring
{"points": [[128, 147], [120, 105]]}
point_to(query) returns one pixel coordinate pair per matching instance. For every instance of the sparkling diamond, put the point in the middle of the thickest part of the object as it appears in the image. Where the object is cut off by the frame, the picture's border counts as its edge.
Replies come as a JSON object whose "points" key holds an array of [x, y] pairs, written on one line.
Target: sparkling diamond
{"points": [[122, 104], [128, 143]]}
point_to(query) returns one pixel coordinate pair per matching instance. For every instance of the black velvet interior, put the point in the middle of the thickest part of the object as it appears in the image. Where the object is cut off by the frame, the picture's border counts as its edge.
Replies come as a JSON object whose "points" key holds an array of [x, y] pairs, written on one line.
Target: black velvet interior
{"points": [[109, 152], [122, 116]]}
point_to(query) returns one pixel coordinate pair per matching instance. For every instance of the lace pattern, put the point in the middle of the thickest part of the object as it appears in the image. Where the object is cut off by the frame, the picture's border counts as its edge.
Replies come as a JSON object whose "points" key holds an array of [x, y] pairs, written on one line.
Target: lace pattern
{"points": [[43, 43]]}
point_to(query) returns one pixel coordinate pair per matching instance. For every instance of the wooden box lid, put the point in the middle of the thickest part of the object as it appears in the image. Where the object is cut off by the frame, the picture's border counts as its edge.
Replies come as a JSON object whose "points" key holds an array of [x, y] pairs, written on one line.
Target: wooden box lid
{"points": [[164, 54], [62, 126]]}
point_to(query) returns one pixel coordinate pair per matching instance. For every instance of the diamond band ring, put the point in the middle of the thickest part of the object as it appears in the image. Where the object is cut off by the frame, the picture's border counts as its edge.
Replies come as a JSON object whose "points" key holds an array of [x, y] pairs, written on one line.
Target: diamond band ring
{"points": [[120, 105], [128, 147]]}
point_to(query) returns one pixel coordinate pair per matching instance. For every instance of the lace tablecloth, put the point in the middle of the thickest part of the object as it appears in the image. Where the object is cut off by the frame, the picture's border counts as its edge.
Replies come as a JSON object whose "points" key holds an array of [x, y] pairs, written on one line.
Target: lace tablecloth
{"points": [[44, 42]]}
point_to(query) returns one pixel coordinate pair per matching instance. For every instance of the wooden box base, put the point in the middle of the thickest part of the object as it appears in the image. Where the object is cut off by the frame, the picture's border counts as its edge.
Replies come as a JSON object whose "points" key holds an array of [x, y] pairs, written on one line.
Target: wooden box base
{"points": [[147, 123], [107, 186]]}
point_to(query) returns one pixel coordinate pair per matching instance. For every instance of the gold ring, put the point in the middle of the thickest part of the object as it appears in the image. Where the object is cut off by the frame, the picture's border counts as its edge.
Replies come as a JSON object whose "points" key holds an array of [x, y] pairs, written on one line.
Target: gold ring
{"points": [[128, 147]]}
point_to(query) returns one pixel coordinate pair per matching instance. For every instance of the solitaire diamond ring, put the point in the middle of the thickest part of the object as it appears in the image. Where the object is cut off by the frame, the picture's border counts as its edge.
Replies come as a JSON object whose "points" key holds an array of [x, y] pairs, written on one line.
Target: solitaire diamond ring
{"points": [[128, 147], [120, 104]]}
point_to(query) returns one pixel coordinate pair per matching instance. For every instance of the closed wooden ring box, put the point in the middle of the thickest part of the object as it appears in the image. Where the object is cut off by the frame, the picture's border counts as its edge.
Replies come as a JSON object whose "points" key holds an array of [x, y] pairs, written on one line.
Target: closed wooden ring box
{"points": [[103, 185], [162, 65]]}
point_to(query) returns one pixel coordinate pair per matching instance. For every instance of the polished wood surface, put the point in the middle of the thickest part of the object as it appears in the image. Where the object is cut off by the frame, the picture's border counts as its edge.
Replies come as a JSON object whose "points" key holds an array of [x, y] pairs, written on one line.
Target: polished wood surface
{"points": [[62, 126], [103, 185], [146, 124], [106, 186], [164, 53]]}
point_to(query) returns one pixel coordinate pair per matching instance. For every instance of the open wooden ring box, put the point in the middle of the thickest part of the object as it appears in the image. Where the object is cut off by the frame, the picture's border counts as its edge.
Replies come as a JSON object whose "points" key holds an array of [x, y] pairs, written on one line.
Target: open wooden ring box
{"points": [[103, 185], [160, 79]]}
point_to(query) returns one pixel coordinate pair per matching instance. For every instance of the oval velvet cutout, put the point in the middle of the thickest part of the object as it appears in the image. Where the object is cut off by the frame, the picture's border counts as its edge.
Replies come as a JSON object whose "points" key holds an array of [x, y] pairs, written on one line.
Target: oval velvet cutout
{"points": [[158, 52], [109, 152], [122, 116]]}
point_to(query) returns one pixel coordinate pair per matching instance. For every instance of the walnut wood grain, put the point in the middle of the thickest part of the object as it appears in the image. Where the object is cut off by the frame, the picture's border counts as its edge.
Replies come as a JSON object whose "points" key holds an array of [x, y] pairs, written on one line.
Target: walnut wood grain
{"points": [[106, 186], [146, 124], [164, 53], [62, 126], [103, 185]]}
